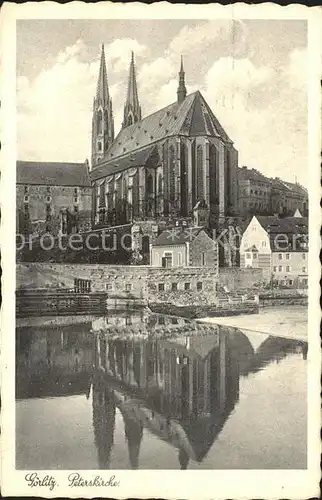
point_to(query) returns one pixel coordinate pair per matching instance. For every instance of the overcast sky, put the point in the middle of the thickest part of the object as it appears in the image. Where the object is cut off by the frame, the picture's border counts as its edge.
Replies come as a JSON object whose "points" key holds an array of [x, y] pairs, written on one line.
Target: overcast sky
{"points": [[252, 73]]}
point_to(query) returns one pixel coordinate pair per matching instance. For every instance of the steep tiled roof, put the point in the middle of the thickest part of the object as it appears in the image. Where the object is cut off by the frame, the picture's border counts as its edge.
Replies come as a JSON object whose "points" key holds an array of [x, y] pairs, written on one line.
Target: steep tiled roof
{"points": [[287, 225], [290, 225], [296, 188], [191, 117], [177, 236], [52, 173], [251, 174], [134, 159], [267, 220]]}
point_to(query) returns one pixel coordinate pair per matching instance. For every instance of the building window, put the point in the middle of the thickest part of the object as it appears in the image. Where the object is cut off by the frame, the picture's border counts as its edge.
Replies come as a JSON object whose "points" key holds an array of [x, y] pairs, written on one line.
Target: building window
{"points": [[303, 255], [128, 320], [48, 189], [287, 256], [280, 269], [82, 286], [288, 268], [75, 199], [203, 259], [26, 189], [263, 243], [128, 287], [161, 320], [303, 269], [187, 286], [174, 287], [280, 256], [48, 199], [75, 209], [248, 255], [174, 321], [76, 190], [161, 287], [26, 198], [254, 256], [290, 282], [99, 146], [167, 259], [199, 286], [109, 287], [275, 269], [179, 259]]}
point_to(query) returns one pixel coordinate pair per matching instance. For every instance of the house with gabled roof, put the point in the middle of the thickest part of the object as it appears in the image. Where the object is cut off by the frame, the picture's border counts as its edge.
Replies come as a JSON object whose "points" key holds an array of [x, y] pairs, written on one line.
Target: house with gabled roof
{"points": [[278, 246], [184, 246]]}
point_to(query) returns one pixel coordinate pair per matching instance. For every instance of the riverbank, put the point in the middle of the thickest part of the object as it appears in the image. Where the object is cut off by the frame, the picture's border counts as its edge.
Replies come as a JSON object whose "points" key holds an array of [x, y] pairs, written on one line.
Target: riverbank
{"points": [[289, 322], [206, 311]]}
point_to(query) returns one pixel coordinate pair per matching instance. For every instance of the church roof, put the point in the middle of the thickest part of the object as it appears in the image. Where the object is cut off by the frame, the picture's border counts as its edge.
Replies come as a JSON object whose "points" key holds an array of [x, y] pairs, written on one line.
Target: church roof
{"points": [[134, 159], [52, 173], [191, 117]]}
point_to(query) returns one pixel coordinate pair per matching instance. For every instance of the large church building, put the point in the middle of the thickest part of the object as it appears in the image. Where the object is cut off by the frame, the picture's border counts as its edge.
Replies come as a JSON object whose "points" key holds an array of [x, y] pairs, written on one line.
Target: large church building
{"points": [[160, 166]]}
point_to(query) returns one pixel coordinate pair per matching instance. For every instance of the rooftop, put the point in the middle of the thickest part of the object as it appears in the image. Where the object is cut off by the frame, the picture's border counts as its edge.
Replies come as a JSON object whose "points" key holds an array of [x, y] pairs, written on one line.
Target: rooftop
{"points": [[191, 117], [53, 173]]}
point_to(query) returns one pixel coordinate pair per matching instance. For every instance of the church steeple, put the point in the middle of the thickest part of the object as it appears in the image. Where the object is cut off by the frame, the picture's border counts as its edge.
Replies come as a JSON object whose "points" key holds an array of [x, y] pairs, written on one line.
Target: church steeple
{"points": [[102, 122], [132, 108], [182, 91]]}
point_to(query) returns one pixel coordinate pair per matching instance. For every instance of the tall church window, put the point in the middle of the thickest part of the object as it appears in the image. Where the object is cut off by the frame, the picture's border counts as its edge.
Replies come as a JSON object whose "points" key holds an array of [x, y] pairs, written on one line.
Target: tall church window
{"points": [[172, 178], [228, 178], [200, 170], [135, 194], [184, 179], [213, 174], [99, 122], [149, 184], [160, 185]]}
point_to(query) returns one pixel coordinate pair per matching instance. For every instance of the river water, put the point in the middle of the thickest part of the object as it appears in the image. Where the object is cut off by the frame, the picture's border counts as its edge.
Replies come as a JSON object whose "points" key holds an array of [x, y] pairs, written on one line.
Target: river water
{"points": [[139, 390]]}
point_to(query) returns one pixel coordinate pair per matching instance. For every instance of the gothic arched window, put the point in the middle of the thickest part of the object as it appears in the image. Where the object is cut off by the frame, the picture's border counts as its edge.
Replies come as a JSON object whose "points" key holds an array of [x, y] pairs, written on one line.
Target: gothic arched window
{"points": [[99, 122], [200, 170], [160, 184], [213, 176], [149, 184], [125, 188], [172, 178]]}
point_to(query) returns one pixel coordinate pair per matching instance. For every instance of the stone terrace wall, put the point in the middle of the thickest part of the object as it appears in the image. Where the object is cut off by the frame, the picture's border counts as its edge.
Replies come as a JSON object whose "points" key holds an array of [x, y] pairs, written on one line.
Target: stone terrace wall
{"points": [[237, 278], [143, 281]]}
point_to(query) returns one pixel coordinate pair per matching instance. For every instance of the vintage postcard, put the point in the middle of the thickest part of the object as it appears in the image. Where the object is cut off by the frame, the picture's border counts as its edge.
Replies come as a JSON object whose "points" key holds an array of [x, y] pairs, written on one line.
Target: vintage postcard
{"points": [[160, 218]]}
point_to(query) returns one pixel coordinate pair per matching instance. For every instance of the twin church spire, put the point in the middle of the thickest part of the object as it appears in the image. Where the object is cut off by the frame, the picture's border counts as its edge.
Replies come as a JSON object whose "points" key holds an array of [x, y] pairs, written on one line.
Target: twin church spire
{"points": [[103, 121], [132, 108]]}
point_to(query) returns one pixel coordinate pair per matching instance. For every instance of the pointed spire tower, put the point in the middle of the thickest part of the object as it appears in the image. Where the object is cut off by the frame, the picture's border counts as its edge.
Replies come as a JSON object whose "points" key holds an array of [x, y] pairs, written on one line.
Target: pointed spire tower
{"points": [[132, 108], [182, 91], [102, 122]]}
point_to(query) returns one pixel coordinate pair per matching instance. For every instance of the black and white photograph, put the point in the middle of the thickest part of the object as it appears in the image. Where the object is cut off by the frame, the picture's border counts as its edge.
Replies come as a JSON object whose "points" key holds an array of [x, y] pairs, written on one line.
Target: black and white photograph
{"points": [[165, 254]]}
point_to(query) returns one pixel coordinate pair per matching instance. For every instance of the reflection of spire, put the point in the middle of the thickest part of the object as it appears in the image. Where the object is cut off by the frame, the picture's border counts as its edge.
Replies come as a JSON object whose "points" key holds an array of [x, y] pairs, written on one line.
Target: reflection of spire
{"points": [[133, 432], [183, 459], [103, 421]]}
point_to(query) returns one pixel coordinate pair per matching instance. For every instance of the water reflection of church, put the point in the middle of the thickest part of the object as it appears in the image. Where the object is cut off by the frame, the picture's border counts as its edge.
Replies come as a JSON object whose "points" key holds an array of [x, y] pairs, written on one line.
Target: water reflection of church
{"points": [[181, 384]]}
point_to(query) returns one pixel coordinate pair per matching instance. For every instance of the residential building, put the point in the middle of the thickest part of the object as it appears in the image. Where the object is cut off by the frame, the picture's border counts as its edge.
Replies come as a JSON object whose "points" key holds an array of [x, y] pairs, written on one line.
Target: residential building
{"points": [[279, 247], [287, 197], [254, 192], [181, 247], [261, 195], [53, 198]]}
